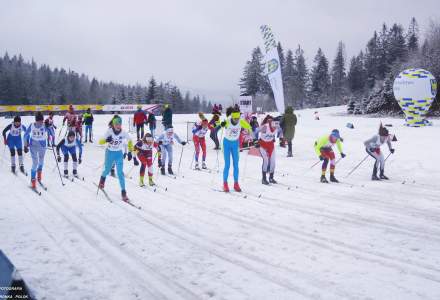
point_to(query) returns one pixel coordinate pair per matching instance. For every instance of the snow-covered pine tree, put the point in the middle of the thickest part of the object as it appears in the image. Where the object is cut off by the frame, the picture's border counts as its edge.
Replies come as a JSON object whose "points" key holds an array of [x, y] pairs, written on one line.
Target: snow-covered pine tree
{"points": [[351, 105], [338, 75], [320, 77]]}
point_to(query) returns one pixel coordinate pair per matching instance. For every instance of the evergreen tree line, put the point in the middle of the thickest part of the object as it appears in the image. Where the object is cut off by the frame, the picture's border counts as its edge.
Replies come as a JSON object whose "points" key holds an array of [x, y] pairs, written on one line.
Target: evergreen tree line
{"points": [[366, 85], [23, 82]]}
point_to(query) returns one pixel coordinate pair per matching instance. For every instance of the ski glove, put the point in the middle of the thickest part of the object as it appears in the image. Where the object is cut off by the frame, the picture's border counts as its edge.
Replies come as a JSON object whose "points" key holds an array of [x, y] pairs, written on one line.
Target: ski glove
{"points": [[223, 124], [183, 143], [26, 149], [321, 157], [160, 143], [372, 150], [343, 155], [59, 158], [129, 156], [135, 161], [392, 150], [109, 139]]}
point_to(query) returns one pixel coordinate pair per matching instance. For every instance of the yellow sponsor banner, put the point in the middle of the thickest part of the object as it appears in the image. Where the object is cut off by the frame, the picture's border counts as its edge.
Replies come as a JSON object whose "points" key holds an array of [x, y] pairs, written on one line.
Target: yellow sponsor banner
{"points": [[34, 108]]}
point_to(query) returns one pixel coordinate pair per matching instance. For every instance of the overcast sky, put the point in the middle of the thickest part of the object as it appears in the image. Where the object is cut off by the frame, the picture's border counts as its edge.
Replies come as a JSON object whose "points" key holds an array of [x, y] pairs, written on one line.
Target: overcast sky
{"points": [[200, 45]]}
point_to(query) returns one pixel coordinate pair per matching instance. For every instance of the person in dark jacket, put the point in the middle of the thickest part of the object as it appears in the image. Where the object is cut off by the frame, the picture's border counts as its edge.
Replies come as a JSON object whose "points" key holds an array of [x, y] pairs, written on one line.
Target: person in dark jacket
{"points": [[288, 124], [88, 123], [214, 125], [152, 123], [139, 120], [167, 117]]}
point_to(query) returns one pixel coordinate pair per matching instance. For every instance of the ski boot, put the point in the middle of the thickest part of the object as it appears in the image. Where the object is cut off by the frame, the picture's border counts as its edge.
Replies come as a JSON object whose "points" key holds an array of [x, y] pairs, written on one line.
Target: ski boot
{"points": [[101, 183], [75, 173], [141, 181], [225, 187], [333, 178], [374, 176], [170, 170], [33, 184], [323, 179], [124, 196], [39, 176], [162, 170], [382, 176], [66, 174], [13, 169], [289, 154], [264, 180], [196, 166], [204, 166], [271, 179], [150, 181], [237, 187], [22, 169]]}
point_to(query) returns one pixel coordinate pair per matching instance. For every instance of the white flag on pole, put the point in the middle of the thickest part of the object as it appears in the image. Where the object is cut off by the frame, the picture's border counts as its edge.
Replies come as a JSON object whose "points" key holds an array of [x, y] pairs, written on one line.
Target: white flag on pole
{"points": [[273, 67]]}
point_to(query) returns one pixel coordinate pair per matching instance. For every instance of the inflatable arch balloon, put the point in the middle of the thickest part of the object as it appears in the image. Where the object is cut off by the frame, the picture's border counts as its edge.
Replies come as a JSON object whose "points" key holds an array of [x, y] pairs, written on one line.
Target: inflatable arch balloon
{"points": [[415, 90]]}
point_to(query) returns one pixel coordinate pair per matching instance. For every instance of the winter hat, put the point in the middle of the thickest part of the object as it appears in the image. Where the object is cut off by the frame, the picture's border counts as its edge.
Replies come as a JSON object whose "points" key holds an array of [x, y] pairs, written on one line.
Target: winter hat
{"points": [[117, 120], [71, 134], [169, 130], [335, 134], [383, 131], [17, 119], [39, 116], [235, 115]]}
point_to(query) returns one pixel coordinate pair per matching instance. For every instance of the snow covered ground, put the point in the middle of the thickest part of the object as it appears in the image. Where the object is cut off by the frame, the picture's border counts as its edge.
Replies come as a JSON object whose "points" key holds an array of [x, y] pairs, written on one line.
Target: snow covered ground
{"points": [[297, 240]]}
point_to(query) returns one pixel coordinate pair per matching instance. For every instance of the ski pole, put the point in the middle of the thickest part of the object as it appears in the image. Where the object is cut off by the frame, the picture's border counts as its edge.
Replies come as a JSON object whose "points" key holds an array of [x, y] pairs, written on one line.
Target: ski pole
{"points": [[56, 162], [314, 164], [192, 160], [61, 130], [389, 154], [357, 166], [180, 160], [218, 162]]}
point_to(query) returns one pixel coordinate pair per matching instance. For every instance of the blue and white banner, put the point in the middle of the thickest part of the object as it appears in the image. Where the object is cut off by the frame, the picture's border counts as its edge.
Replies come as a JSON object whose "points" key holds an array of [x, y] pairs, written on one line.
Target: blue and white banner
{"points": [[273, 67]]}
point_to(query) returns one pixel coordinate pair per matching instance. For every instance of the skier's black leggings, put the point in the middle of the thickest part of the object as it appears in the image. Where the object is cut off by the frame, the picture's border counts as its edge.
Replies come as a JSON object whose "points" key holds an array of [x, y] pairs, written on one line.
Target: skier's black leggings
{"points": [[141, 129], [19, 151]]}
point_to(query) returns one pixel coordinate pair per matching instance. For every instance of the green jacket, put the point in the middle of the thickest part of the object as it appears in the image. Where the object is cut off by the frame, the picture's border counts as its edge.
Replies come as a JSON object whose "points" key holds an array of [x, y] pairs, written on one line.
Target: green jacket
{"points": [[87, 118], [288, 123], [324, 142]]}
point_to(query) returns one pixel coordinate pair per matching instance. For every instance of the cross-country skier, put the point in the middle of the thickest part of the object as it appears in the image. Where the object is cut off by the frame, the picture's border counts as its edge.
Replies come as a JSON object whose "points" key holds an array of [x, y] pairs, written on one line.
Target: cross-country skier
{"points": [[166, 142], [152, 123], [49, 123], [144, 150], [268, 133], [324, 149], [71, 118], [199, 131], [139, 119], [15, 142], [35, 139], [68, 146], [78, 128], [215, 125], [88, 123], [232, 126], [372, 146], [118, 142]]}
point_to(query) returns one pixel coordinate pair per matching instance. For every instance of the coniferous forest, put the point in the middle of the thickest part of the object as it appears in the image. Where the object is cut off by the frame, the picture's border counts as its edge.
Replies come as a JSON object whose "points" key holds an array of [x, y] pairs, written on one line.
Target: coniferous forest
{"points": [[363, 82], [25, 82]]}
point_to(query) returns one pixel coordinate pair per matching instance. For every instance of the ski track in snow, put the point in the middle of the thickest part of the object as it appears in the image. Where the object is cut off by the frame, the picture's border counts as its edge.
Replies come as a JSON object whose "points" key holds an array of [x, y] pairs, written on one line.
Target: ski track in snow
{"points": [[297, 240]]}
